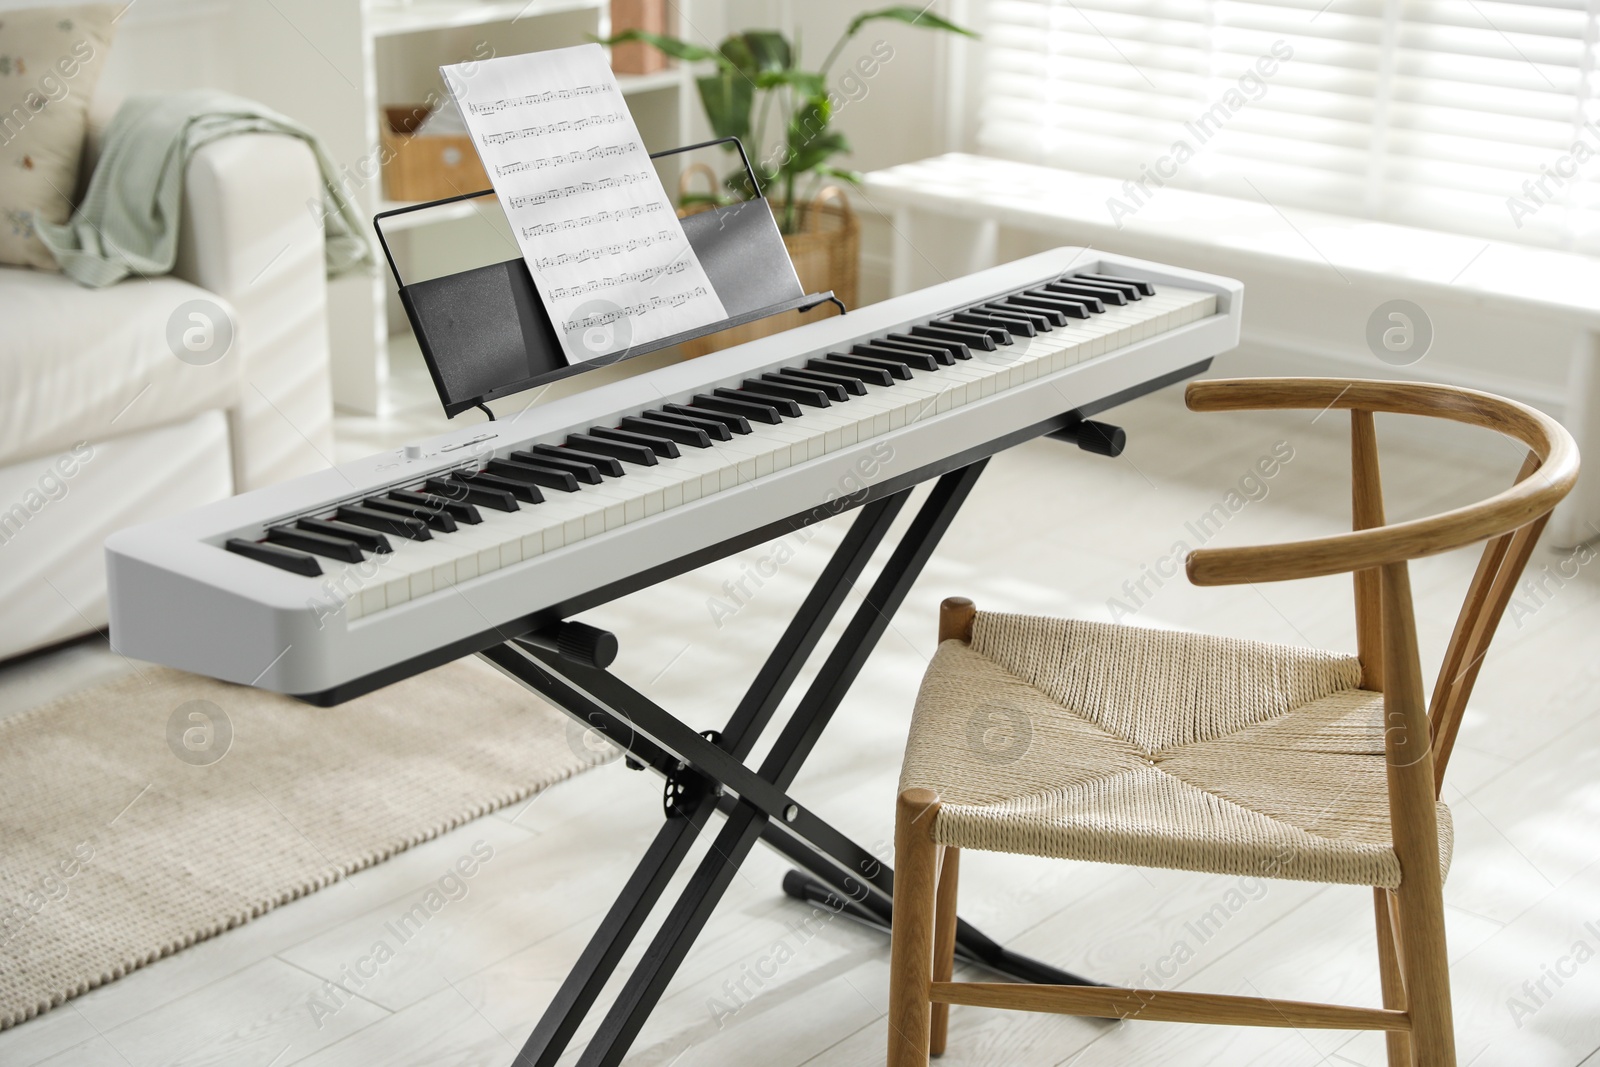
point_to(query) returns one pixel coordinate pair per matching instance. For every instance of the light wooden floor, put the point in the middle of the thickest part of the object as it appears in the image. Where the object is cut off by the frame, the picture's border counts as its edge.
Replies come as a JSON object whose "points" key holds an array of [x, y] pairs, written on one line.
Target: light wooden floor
{"points": [[1049, 529]]}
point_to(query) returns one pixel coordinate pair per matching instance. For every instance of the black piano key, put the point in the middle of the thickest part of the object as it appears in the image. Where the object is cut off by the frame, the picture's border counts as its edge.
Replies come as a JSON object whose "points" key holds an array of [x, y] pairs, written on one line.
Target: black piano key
{"points": [[438, 486], [459, 510], [942, 333], [729, 420], [998, 334], [1144, 288], [849, 385], [1037, 323], [287, 559], [1015, 327], [428, 507], [782, 404], [523, 491], [1034, 317], [1090, 304], [714, 431], [801, 394], [1070, 308], [590, 444], [582, 470], [384, 522], [436, 520], [468, 493], [954, 349], [1111, 294], [372, 542], [1056, 316], [666, 427], [919, 360], [656, 443], [939, 350], [1129, 293], [733, 406], [1086, 293], [835, 392], [549, 477], [861, 372], [317, 544], [893, 367], [1124, 293], [609, 466]]}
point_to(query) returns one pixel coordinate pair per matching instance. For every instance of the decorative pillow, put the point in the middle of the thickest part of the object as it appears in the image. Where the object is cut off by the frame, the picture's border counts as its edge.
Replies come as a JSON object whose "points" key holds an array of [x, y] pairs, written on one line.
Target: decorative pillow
{"points": [[50, 59]]}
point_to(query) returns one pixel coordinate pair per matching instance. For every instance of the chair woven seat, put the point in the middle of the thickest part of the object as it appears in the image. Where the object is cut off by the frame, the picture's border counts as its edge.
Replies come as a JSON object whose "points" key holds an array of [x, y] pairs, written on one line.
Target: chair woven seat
{"points": [[1156, 748]]}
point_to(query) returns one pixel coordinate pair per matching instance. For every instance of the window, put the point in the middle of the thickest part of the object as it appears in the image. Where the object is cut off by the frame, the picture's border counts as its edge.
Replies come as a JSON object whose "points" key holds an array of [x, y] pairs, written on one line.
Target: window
{"points": [[1465, 115]]}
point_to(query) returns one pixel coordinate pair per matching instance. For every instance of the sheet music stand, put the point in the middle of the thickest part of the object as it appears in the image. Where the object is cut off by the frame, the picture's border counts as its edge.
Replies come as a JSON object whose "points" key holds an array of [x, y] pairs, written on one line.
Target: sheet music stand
{"points": [[485, 332]]}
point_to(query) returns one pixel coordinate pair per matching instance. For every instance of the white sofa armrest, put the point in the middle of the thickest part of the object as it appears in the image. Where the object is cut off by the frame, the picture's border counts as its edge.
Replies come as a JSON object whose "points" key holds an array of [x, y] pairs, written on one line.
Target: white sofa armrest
{"points": [[248, 233]]}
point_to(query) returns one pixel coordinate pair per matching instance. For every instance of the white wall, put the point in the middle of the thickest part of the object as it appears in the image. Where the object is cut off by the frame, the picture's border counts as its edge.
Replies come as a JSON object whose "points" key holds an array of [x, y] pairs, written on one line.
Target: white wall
{"points": [[169, 44], [162, 44]]}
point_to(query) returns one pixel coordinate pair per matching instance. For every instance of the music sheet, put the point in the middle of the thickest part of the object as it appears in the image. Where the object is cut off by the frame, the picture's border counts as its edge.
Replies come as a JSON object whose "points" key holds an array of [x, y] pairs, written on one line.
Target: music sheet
{"points": [[599, 235]]}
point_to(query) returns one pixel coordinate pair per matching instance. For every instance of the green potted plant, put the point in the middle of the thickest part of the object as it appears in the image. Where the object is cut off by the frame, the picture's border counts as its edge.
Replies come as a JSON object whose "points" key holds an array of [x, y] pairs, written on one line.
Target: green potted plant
{"points": [[757, 72]]}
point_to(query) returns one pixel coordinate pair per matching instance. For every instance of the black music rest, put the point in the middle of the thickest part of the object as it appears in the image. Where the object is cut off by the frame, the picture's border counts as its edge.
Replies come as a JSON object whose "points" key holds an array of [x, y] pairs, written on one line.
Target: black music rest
{"points": [[485, 333]]}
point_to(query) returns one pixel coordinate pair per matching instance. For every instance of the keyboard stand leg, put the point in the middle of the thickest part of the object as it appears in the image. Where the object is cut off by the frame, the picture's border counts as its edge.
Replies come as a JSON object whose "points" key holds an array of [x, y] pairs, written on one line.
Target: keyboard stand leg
{"points": [[666, 853], [972, 945], [757, 806], [616, 932]]}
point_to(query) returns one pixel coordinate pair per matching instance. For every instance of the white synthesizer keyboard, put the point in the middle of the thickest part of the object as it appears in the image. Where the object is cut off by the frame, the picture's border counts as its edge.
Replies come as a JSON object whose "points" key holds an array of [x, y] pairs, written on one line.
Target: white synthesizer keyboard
{"points": [[332, 584]]}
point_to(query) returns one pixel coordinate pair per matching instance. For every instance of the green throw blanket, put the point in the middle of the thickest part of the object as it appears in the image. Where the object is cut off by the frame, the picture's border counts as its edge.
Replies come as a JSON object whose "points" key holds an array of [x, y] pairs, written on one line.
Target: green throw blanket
{"points": [[128, 221]]}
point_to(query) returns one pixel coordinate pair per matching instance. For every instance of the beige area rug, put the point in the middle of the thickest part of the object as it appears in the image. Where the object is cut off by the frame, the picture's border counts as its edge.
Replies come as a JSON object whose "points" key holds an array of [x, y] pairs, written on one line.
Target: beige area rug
{"points": [[139, 817]]}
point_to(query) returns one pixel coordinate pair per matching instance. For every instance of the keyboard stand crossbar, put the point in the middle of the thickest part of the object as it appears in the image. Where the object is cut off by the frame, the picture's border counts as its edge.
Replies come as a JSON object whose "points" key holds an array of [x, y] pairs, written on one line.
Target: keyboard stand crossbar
{"points": [[707, 775]]}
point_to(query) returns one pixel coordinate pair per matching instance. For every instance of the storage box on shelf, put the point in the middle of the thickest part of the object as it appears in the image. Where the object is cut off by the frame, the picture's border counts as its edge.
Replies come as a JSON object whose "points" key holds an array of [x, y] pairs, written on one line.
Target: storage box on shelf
{"points": [[430, 167]]}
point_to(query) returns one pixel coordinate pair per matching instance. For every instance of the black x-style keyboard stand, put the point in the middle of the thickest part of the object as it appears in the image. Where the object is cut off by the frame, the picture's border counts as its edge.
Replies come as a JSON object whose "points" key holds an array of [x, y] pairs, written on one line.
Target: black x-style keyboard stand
{"points": [[706, 773]]}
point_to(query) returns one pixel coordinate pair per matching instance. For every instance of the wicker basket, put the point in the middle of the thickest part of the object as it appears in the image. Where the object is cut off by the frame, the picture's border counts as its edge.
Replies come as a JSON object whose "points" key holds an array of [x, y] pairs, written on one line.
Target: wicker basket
{"points": [[426, 168], [826, 254]]}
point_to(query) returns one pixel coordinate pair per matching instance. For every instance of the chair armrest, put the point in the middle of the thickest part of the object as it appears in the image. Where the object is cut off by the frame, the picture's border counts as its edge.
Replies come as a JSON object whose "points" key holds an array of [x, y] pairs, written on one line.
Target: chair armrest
{"points": [[1545, 479], [248, 233]]}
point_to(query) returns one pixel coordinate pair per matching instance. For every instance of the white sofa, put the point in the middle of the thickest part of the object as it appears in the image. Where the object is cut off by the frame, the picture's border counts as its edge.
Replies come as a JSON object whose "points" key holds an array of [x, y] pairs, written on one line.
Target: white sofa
{"points": [[102, 426]]}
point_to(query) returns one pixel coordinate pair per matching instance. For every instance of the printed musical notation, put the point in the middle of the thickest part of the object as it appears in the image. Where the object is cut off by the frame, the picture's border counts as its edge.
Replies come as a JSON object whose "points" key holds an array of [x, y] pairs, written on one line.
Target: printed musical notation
{"points": [[610, 151], [548, 196], [597, 285], [594, 224], [635, 311], [584, 255], [544, 229], [577, 92], [564, 125]]}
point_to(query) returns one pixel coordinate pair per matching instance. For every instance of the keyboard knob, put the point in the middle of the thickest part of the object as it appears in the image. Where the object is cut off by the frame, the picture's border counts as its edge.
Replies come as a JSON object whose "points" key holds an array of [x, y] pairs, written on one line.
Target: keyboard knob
{"points": [[589, 645], [1101, 438]]}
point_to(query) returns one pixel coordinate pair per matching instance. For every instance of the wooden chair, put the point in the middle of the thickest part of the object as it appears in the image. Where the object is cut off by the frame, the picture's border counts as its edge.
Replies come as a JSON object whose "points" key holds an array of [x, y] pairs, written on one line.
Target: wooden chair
{"points": [[1162, 749]]}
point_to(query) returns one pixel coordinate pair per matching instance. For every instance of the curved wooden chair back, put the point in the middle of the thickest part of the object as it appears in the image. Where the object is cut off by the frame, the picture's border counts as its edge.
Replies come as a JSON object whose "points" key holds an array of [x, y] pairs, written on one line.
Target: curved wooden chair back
{"points": [[1376, 552]]}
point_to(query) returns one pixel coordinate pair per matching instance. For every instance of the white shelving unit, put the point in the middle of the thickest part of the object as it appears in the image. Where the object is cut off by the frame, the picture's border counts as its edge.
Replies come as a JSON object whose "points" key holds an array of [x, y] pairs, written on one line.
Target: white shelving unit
{"points": [[349, 59]]}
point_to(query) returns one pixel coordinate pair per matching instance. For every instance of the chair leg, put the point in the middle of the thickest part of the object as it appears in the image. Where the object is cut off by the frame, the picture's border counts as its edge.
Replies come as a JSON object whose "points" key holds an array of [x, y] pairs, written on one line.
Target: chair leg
{"points": [[1394, 990], [944, 943], [916, 860], [1412, 814], [1426, 970]]}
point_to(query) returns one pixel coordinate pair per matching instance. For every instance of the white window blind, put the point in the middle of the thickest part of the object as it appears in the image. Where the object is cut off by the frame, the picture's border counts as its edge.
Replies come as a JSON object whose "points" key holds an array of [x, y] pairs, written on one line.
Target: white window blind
{"points": [[1428, 112]]}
